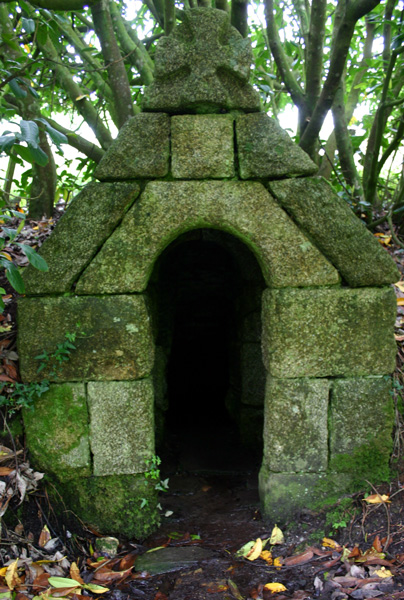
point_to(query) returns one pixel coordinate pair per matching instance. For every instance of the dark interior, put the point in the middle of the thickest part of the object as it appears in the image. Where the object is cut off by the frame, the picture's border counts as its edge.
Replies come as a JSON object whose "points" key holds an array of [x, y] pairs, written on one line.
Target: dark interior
{"points": [[198, 281]]}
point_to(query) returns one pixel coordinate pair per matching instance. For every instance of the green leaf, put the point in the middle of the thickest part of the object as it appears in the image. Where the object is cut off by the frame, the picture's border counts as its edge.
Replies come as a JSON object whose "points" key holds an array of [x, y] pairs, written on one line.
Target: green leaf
{"points": [[96, 589], [36, 261], [56, 137], [38, 156], [14, 277], [29, 133], [63, 582], [16, 89], [42, 34], [28, 25], [6, 143]]}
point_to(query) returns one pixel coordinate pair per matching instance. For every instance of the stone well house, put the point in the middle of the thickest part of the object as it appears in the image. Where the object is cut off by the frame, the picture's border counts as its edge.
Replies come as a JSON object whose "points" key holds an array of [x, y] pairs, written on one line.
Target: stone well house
{"points": [[204, 210]]}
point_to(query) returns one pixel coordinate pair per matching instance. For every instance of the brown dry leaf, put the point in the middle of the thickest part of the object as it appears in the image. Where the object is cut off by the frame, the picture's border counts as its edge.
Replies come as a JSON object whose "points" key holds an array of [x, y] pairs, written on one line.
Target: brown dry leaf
{"points": [[11, 576], [62, 592], [255, 550], [274, 588], [298, 559], [216, 587], [105, 575], [4, 471], [40, 583], [377, 545], [267, 556], [75, 573], [127, 561], [10, 370], [44, 537]]}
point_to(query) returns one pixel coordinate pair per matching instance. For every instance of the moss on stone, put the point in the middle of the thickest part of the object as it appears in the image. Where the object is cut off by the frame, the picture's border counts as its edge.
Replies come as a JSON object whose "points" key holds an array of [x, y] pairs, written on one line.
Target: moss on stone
{"points": [[360, 407], [203, 66], [141, 150], [283, 494], [57, 432], [329, 332], [336, 231], [117, 342], [296, 429], [113, 504], [202, 146], [266, 151], [121, 426], [168, 209], [89, 220]]}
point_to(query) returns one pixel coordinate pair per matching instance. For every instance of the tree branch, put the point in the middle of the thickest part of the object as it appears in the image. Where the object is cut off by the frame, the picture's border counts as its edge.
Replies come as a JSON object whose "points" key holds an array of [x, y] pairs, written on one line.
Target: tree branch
{"points": [[65, 5], [314, 52], [338, 58], [280, 57], [75, 140], [169, 16], [239, 16], [113, 61]]}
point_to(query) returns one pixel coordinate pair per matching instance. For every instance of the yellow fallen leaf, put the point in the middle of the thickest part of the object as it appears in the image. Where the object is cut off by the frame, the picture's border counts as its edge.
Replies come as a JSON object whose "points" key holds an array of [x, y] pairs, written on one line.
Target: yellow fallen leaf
{"points": [[3, 571], [328, 543], [278, 562], [383, 572], [255, 550], [244, 550], [276, 536], [274, 588], [400, 285], [400, 301], [11, 576], [6, 255], [377, 499], [267, 556]]}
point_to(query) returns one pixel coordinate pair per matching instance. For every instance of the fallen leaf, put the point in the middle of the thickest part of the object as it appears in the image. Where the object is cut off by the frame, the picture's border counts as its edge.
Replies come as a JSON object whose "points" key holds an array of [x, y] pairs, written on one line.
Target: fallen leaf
{"points": [[383, 572], [11, 576], [255, 551], [400, 301], [44, 537], [377, 545], [276, 536], [298, 559], [278, 562], [274, 588], [400, 285], [234, 590], [267, 556], [378, 498], [75, 573], [328, 543]]}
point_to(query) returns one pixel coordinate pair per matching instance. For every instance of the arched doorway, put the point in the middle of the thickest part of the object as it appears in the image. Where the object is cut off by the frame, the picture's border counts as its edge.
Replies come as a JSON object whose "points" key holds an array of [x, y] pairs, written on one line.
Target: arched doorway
{"points": [[209, 377]]}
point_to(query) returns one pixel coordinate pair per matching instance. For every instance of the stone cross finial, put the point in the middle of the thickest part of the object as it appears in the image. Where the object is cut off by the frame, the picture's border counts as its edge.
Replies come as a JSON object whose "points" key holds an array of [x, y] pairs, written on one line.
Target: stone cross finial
{"points": [[203, 66]]}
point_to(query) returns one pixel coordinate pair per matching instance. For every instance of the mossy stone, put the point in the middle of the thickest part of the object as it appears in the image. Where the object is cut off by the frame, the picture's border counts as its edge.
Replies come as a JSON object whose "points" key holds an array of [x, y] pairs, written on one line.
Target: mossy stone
{"points": [[202, 66], [202, 146], [123, 505], [89, 220], [141, 150], [167, 209], [57, 432], [116, 343], [295, 428], [329, 332], [361, 410], [265, 150], [121, 426], [337, 232], [282, 495]]}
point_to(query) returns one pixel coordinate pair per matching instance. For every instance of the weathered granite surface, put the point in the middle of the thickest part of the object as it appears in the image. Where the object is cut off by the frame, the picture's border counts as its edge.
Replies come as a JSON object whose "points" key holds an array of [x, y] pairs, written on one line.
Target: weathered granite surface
{"points": [[202, 146], [295, 427], [141, 150], [329, 332], [121, 426], [361, 410], [265, 150], [57, 432], [91, 217], [336, 231], [203, 66], [117, 343], [283, 494], [167, 209]]}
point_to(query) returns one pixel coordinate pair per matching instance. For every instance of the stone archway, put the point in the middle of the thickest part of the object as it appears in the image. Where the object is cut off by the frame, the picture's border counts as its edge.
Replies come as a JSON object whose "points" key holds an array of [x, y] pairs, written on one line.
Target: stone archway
{"points": [[209, 376]]}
